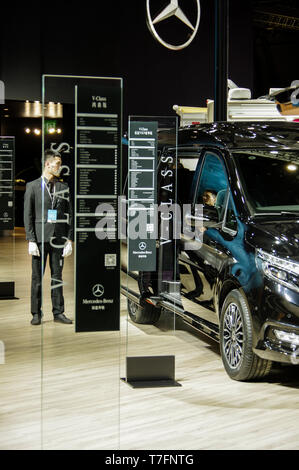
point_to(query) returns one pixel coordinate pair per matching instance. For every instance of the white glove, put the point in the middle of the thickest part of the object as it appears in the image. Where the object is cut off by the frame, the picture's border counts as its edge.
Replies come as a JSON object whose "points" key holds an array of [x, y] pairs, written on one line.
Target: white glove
{"points": [[33, 249], [67, 250]]}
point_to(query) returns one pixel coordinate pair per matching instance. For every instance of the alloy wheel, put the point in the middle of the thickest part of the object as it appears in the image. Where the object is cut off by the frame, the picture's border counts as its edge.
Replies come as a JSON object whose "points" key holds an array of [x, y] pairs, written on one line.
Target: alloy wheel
{"points": [[133, 308], [233, 336]]}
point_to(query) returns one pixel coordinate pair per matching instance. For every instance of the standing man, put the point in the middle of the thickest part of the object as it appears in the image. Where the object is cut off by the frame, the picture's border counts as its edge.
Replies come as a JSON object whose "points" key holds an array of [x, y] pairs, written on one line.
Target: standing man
{"points": [[48, 223]]}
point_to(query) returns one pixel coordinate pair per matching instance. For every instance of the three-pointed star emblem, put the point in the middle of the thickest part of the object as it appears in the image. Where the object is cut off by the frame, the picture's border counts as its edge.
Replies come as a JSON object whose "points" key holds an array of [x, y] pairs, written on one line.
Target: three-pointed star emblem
{"points": [[173, 9], [98, 290]]}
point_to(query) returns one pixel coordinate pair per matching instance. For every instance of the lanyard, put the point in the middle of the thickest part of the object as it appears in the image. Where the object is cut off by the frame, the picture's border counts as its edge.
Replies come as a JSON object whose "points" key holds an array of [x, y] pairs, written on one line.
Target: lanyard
{"points": [[52, 196]]}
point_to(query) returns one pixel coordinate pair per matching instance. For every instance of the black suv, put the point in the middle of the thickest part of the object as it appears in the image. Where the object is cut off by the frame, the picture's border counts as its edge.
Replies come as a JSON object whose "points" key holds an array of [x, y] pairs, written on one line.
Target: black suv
{"points": [[240, 284]]}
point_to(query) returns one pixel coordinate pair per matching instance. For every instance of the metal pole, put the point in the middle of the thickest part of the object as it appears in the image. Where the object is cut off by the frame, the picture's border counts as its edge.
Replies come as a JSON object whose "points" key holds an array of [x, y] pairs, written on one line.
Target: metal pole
{"points": [[221, 60]]}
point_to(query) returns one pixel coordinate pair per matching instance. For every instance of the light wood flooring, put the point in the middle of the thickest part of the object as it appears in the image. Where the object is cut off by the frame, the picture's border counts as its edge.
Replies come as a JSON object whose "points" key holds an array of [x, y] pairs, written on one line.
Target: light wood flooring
{"points": [[62, 390]]}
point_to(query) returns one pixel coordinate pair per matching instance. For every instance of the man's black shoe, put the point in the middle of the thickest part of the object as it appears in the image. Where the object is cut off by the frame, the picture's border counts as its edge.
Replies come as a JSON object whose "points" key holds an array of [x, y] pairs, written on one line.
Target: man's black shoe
{"points": [[36, 319], [61, 318]]}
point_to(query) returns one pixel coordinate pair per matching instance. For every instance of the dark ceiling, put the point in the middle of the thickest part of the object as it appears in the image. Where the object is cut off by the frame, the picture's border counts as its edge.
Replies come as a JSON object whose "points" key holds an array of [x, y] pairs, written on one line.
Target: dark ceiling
{"points": [[272, 14], [275, 43]]}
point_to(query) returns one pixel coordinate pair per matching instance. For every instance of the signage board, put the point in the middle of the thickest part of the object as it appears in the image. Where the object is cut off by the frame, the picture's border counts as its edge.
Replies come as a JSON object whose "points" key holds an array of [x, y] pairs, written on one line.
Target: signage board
{"points": [[97, 186], [7, 164], [142, 196]]}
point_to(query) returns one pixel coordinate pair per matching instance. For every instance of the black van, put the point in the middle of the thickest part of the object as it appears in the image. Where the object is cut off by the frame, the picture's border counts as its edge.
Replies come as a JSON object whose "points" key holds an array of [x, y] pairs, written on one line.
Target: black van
{"points": [[240, 285]]}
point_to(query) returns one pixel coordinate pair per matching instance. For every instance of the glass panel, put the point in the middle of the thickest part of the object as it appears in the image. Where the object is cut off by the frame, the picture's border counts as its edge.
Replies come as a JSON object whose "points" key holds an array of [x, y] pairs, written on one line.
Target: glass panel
{"points": [[150, 282], [19, 342], [269, 179], [213, 181], [80, 361]]}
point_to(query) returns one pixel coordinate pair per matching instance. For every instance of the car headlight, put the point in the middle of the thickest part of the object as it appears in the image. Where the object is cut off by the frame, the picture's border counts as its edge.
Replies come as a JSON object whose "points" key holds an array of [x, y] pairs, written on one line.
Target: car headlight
{"points": [[282, 271]]}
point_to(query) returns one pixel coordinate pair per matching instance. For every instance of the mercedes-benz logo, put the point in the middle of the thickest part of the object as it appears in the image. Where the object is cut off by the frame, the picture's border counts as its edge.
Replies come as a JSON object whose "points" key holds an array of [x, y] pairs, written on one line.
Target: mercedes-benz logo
{"points": [[172, 9], [142, 246], [98, 290]]}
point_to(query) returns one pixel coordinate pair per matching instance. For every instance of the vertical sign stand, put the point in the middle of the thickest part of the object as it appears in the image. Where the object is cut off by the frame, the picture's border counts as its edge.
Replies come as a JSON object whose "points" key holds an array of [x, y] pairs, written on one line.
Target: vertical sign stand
{"points": [[97, 186], [144, 371], [7, 181]]}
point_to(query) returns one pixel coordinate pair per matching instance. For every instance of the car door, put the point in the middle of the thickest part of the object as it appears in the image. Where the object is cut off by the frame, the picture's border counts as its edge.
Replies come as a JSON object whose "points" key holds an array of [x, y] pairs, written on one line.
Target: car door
{"points": [[202, 257]]}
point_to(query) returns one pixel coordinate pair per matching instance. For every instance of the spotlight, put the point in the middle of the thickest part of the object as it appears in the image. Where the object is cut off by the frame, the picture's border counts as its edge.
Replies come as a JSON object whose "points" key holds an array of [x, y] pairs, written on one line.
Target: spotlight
{"points": [[37, 131], [292, 167], [27, 130]]}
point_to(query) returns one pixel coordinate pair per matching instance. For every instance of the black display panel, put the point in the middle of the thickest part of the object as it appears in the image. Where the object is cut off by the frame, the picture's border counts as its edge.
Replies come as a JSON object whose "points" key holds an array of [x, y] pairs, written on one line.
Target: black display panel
{"points": [[142, 196], [98, 158], [7, 165]]}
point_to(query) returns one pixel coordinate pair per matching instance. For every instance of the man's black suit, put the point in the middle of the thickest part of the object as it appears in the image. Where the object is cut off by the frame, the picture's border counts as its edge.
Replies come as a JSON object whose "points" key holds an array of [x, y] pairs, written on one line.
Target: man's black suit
{"points": [[49, 236]]}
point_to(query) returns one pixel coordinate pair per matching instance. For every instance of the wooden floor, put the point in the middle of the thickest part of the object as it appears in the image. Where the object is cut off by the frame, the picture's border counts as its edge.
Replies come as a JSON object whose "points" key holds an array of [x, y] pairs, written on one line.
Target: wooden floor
{"points": [[62, 390]]}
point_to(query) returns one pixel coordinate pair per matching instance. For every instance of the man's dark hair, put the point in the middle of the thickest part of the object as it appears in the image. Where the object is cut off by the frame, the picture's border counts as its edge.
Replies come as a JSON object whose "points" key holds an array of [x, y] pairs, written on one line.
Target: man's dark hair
{"points": [[50, 154], [212, 191]]}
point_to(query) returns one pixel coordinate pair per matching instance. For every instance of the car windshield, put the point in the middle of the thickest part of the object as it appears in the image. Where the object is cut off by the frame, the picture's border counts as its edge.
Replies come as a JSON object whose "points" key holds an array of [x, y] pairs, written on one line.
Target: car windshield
{"points": [[270, 179]]}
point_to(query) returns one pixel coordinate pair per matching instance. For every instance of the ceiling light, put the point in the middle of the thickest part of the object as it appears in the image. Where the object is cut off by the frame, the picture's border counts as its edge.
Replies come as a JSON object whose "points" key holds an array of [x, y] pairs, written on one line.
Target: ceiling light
{"points": [[292, 167]]}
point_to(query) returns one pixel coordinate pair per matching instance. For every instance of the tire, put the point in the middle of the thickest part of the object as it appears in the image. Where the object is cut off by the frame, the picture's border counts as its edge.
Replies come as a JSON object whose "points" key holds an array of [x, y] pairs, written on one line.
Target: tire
{"points": [[236, 340], [146, 315]]}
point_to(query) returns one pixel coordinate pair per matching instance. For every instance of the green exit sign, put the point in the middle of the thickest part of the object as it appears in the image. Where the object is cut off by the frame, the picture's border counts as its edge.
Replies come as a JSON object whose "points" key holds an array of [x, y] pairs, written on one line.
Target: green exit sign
{"points": [[50, 126]]}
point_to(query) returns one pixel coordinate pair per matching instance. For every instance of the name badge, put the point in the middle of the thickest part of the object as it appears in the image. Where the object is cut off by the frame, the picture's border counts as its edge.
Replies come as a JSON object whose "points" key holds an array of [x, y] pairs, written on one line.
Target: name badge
{"points": [[52, 215]]}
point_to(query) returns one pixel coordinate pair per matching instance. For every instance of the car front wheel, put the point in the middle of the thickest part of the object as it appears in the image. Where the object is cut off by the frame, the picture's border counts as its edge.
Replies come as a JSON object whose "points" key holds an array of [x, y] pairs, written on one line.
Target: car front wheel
{"points": [[236, 340]]}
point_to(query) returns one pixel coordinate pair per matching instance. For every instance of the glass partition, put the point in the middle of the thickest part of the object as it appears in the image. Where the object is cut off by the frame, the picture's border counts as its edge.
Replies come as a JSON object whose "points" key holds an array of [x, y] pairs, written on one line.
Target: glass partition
{"points": [[20, 347], [82, 130]]}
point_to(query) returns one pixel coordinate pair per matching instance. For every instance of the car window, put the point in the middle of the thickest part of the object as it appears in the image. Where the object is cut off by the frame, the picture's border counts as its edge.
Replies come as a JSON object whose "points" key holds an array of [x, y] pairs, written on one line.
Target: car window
{"points": [[213, 184], [269, 179], [213, 189]]}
